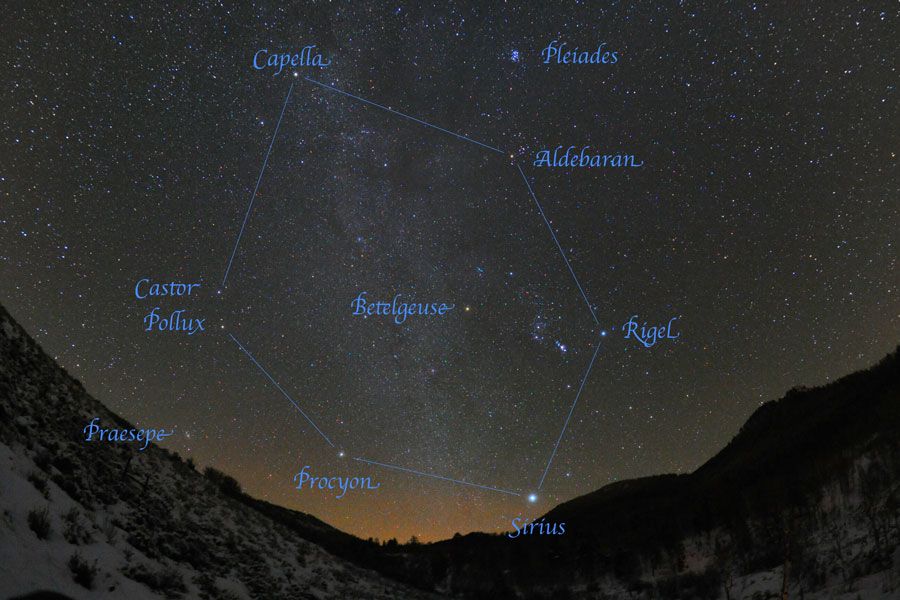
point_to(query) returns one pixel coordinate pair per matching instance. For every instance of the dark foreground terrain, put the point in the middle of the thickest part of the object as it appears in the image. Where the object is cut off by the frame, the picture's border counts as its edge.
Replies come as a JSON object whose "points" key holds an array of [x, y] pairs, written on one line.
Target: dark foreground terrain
{"points": [[804, 501]]}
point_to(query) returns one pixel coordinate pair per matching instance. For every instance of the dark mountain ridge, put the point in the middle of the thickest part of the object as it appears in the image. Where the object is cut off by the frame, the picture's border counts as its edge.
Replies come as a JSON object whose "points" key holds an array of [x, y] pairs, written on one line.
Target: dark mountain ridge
{"points": [[763, 492], [787, 448]]}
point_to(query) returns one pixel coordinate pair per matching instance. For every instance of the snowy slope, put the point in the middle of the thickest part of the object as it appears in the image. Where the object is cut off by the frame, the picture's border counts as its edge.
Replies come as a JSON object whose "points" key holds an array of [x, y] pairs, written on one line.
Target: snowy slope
{"points": [[140, 524]]}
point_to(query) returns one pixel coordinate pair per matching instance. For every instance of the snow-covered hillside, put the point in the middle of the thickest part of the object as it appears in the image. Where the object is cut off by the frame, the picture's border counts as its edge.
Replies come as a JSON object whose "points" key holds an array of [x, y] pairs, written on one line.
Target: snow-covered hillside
{"points": [[107, 521]]}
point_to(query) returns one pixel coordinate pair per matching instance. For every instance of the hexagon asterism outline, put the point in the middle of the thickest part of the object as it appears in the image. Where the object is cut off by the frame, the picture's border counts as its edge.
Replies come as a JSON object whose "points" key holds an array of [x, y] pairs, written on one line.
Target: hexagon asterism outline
{"points": [[543, 217]]}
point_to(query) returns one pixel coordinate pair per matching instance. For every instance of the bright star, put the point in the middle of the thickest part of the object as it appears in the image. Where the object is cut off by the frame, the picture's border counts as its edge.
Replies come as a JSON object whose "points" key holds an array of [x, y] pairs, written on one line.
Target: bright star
{"points": [[532, 498]]}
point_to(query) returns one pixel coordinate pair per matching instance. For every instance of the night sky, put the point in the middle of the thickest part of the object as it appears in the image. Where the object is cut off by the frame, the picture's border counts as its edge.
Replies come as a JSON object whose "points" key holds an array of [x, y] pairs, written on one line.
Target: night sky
{"points": [[765, 218]]}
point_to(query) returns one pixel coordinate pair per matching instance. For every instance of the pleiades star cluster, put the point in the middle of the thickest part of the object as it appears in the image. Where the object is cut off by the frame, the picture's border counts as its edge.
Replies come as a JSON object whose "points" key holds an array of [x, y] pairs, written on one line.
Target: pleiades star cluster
{"points": [[764, 216]]}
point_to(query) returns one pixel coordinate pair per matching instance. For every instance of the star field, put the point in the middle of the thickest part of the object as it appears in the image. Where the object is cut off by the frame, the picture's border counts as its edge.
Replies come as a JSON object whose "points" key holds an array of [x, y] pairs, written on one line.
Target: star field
{"points": [[765, 218]]}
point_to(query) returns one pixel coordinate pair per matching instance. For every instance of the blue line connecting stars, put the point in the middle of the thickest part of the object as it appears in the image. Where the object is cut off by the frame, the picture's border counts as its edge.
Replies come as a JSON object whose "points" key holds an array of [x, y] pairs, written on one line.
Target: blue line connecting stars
{"points": [[237, 242], [531, 497]]}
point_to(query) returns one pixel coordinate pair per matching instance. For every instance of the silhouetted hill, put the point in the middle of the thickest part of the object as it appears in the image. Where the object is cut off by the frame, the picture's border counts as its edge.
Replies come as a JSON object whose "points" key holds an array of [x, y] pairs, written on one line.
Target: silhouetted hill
{"points": [[785, 451], [812, 478]]}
